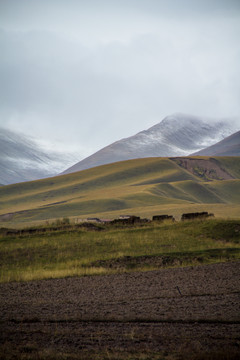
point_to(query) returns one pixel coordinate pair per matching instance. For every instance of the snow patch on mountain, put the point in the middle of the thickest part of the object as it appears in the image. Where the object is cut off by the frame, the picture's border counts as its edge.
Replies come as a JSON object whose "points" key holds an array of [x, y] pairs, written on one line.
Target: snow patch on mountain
{"points": [[21, 159], [175, 135]]}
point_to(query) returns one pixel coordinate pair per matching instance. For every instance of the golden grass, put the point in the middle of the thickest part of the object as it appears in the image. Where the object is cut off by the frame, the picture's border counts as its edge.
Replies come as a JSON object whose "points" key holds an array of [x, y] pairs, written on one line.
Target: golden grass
{"points": [[142, 187], [39, 274]]}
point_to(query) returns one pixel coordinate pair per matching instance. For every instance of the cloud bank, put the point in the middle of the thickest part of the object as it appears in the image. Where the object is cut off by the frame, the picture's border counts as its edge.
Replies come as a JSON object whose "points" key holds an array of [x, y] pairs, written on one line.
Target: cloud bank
{"points": [[82, 74]]}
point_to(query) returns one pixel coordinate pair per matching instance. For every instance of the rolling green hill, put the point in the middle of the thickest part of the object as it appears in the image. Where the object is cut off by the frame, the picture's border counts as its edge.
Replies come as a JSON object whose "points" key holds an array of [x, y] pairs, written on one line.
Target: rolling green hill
{"points": [[142, 187]]}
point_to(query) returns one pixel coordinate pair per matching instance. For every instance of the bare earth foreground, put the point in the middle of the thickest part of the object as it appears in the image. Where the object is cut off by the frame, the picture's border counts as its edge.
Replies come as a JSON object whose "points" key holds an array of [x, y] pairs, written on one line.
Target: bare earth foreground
{"points": [[179, 313]]}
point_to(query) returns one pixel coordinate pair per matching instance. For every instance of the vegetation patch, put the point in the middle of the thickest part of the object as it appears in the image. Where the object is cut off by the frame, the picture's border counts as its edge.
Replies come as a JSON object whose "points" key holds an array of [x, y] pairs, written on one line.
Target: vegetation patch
{"points": [[224, 231], [171, 260], [69, 250]]}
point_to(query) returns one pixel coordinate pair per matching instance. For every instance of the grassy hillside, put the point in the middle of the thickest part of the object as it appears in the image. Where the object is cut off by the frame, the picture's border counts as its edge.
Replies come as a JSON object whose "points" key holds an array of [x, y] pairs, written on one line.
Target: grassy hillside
{"points": [[230, 163], [142, 187]]}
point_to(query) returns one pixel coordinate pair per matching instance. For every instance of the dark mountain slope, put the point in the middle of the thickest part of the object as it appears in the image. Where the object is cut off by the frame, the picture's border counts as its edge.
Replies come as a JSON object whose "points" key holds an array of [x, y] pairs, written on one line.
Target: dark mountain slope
{"points": [[229, 146]]}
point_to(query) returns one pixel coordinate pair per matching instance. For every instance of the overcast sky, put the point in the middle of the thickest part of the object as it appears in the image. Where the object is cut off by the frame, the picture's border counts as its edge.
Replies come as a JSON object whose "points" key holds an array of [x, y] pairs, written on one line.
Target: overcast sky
{"points": [[81, 74]]}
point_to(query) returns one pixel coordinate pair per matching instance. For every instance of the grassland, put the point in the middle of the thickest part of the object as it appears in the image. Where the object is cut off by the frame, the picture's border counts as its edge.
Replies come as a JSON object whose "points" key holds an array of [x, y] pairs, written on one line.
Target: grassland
{"points": [[141, 187], [78, 251]]}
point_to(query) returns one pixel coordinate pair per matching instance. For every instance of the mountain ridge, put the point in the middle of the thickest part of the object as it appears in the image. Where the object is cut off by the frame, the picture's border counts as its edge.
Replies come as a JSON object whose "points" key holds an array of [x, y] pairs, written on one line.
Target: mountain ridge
{"points": [[175, 135], [21, 159], [230, 146]]}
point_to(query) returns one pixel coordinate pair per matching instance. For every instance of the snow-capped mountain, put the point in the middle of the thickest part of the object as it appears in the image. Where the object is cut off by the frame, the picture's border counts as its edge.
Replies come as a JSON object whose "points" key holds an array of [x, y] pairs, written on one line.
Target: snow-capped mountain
{"points": [[21, 159], [230, 146], [176, 135]]}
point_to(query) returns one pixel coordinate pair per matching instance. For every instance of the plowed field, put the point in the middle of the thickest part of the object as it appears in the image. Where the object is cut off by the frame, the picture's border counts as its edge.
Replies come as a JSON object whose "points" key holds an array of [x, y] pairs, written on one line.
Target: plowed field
{"points": [[171, 313]]}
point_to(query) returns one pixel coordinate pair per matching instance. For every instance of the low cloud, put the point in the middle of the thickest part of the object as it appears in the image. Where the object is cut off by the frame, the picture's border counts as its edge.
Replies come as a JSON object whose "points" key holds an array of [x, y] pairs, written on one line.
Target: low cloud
{"points": [[83, 86]]}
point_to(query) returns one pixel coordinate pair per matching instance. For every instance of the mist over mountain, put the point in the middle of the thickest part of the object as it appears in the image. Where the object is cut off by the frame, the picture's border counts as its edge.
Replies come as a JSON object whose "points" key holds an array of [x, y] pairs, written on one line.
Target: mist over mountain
{"points": [[175, 135], [21, 159], [230, 146]]}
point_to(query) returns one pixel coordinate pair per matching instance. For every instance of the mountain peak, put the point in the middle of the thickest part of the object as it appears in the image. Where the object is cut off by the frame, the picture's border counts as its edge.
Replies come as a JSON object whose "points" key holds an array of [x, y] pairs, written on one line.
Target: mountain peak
{"points": [[176, 135]]}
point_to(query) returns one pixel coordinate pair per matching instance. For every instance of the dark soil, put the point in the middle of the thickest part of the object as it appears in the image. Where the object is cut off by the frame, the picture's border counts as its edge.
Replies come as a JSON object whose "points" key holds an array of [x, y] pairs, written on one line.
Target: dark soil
{"points": [[207, 169], [180, 313]]}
